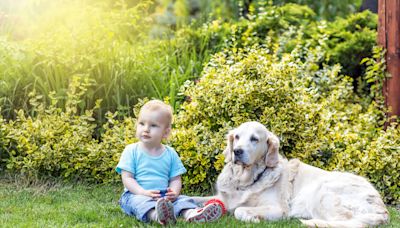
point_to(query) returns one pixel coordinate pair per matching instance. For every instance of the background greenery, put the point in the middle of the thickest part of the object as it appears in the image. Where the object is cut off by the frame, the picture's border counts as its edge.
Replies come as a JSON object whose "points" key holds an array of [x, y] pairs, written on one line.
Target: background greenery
{"points": [[71, 82], [45, 43]]}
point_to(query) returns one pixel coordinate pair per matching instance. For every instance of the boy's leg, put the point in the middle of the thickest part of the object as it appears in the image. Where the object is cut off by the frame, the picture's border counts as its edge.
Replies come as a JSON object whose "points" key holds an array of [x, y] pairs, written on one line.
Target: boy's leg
{"points": [[183, 203], [152, 215], [137, 205]]}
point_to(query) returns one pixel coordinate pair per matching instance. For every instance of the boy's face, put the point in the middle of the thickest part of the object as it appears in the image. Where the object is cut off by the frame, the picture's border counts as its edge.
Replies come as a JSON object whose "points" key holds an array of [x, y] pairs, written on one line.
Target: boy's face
{"points": [[152, 127]]}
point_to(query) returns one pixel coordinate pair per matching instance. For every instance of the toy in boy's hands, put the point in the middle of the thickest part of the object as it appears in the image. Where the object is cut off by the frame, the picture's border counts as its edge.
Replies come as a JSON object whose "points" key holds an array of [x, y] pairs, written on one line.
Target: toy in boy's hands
{"points": [[171, 195], [163, 192]]}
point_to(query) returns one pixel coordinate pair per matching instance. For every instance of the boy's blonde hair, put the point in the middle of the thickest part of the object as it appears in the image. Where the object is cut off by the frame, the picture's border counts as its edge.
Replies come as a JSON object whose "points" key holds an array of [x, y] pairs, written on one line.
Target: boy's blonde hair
{"points": [[157, 105]]}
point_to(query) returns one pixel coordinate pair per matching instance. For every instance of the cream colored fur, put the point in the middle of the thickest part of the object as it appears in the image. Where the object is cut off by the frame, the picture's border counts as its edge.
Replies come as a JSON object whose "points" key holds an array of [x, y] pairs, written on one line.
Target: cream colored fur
{"points": [[257, 183]]}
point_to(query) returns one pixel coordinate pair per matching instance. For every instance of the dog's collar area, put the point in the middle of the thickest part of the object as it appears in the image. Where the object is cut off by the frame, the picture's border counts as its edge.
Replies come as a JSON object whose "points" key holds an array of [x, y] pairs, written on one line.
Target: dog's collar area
{"points": [[256, 178], [259, 175]]}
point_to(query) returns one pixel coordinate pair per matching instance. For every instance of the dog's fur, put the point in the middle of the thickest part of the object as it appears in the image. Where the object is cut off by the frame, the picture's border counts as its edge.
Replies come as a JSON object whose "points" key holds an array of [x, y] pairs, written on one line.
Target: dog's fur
{"points": [[258, 183]]}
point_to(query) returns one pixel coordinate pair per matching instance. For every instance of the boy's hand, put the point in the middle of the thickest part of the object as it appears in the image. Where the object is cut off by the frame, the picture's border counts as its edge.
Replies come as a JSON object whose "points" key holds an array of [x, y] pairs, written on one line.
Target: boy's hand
{"points": [[155, 194], [171, 195]]}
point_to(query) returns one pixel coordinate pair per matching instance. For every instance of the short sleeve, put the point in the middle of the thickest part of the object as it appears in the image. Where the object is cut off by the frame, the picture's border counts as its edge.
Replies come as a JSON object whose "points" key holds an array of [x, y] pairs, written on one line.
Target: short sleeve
{"points": [[127, 160], [177, 166]]}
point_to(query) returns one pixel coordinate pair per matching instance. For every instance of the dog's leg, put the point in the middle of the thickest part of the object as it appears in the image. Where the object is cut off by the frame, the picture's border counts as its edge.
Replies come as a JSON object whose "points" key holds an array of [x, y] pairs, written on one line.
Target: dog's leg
{"points": [[255, 214]]}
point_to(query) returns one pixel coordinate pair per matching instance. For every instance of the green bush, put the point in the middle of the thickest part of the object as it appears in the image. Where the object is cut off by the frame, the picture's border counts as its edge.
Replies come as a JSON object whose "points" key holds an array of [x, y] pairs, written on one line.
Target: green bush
{"points": [[327, 10], [105, 41], [345, 41], [57, 143], [351, 40], [3, 144], [309, 108], [118, 55], [203, 11]]}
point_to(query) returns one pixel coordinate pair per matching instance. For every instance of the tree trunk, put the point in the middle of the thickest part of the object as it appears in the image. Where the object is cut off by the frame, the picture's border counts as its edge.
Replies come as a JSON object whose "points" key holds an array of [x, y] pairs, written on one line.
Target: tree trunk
{"points": [[389, 38]]}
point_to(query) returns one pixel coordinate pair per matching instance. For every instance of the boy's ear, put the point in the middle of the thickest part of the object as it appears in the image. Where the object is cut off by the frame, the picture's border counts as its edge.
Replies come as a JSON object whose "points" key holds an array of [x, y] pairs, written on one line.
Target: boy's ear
{"points": [[167, 131]]}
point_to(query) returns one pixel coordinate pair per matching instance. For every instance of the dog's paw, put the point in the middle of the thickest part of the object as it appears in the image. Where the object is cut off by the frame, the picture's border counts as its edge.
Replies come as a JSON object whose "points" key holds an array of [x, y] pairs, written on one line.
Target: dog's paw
{"points": [[245, 215]]}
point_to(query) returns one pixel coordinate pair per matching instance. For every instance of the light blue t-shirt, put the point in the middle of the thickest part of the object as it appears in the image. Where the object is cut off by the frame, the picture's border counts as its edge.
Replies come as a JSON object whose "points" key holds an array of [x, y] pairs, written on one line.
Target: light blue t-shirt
{"points": [[151, 172]]}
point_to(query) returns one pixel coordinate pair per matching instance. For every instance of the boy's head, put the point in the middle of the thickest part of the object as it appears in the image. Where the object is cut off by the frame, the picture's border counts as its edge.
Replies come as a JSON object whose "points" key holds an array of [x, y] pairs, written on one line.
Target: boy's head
{"points": [[154, 122], [165, 111]]}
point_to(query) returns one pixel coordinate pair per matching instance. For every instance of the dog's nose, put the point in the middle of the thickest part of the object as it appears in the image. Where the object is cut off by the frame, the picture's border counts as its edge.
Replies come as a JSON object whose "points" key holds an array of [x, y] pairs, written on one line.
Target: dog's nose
{"points": [[238, 152]]}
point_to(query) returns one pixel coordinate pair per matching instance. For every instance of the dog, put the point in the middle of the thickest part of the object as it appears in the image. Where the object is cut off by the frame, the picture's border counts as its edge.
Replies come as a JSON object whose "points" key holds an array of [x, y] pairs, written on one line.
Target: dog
{"points": [[257, 183]]}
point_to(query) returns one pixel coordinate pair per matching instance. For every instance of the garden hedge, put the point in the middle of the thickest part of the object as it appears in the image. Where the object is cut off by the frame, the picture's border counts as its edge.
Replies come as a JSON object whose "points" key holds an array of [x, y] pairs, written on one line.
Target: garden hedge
{"points": [[127, 64], [310, 108]]}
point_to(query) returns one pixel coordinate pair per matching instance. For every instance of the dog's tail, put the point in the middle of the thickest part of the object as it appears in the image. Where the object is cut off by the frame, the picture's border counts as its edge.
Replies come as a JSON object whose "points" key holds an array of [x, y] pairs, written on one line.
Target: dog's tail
{"points": [[365, 220]]}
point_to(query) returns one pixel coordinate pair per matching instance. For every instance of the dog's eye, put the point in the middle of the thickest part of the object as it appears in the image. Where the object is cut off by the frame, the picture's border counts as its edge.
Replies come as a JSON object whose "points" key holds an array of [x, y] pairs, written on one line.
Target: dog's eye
{"points": [[236, 137], [253, 139]]}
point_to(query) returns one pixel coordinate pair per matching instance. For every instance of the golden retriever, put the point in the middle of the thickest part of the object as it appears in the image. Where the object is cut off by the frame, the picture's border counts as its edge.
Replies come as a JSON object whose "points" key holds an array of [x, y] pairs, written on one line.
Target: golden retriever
{"points": [[258, 183]]}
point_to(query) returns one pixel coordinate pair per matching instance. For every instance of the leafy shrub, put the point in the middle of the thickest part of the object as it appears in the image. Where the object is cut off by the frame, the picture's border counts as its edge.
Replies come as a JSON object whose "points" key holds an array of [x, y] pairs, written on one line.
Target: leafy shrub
{"points": [[308, 107], [126, 66], [346, 41], [102, 41], [60, 143], [3, 142], [328, 10], [351, 40], [235, 10]]}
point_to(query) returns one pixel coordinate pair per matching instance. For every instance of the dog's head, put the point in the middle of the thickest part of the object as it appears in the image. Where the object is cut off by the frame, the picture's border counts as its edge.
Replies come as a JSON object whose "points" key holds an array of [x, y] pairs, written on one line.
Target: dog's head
{"points": [[249, 143]]}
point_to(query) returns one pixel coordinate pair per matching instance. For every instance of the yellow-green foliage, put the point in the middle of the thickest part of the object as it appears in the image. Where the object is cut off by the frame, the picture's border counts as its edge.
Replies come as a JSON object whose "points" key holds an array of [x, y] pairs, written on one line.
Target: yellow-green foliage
{"points": [[108, 42], [308, 107], [60, 143], [311, 109]]}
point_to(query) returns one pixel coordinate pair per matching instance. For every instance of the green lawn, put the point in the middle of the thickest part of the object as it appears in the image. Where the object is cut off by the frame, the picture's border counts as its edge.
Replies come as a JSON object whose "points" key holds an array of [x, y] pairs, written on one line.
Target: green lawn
{"points": [[58, 205]]}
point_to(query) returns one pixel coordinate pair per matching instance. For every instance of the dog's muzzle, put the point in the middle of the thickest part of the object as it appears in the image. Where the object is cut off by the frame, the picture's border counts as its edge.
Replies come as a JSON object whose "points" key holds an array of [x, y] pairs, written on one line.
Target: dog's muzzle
{"points": [[238, 156], [238, 152]]}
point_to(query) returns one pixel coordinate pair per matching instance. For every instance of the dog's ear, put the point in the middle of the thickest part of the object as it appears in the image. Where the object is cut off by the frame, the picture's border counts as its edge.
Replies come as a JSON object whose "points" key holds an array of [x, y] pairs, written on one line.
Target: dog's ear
{"points": [[272, 157], [229, 147]]}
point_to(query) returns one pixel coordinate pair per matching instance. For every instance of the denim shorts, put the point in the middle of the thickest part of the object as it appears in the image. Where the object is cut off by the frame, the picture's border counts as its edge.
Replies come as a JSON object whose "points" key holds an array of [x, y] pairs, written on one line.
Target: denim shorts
{"points": [[139, 205]]}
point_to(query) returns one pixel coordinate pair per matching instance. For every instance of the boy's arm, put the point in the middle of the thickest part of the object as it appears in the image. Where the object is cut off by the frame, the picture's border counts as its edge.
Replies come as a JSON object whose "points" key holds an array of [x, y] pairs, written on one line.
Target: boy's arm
{"points": [[132, 185], [174, 189], [176, 184]]}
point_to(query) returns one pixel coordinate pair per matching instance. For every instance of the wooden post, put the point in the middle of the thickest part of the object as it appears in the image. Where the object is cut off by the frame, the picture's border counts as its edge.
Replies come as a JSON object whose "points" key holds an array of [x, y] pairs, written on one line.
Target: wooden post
{"points": [[389, 38]]}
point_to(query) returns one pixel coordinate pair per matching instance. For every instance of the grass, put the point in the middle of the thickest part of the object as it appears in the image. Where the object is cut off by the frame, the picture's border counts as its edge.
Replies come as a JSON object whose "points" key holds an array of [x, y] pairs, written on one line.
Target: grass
{"points": [[105, 42], [61, 205]]}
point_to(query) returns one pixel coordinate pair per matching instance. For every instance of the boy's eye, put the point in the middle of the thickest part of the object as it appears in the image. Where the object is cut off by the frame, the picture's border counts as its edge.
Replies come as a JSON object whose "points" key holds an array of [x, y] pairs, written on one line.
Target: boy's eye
{"points": [[154, 125], [141, 123]]}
